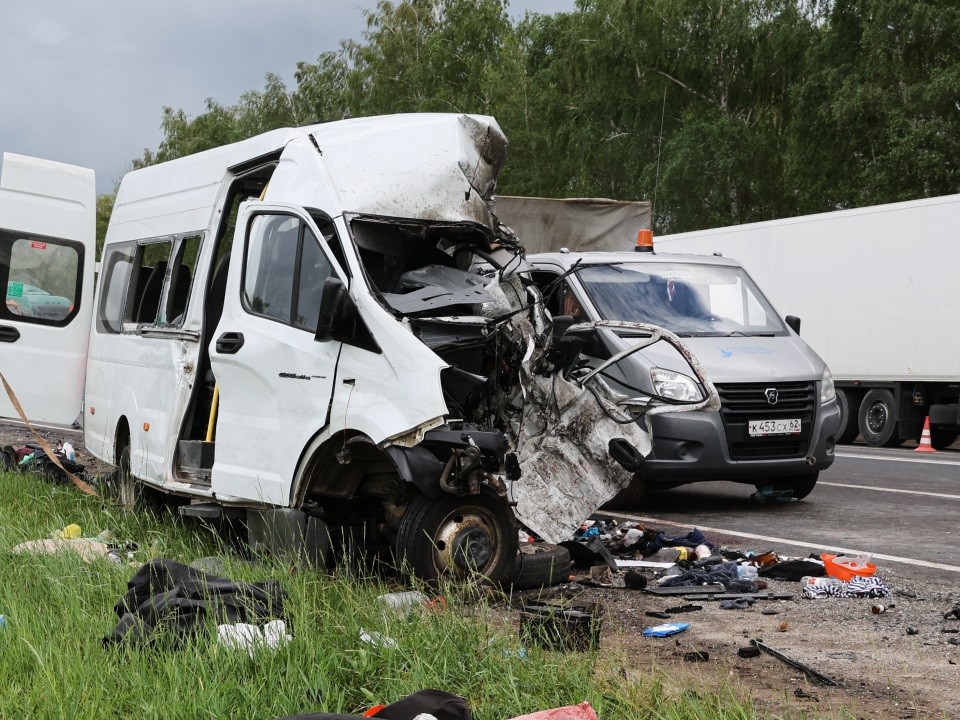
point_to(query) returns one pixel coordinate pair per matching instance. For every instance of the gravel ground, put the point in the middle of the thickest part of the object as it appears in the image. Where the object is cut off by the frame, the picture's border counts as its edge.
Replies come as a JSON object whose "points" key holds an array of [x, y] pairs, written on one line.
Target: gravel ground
{"points": [[882, 670]]}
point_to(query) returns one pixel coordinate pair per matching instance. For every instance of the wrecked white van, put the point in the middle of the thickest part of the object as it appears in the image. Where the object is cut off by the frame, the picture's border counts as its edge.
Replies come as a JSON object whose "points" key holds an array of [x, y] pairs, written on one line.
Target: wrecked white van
{"points": [[292, 330]]}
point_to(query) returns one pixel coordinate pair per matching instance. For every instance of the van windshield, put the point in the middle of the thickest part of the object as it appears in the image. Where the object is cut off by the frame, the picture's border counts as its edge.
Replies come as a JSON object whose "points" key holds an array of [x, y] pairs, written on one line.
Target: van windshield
{"points": [[689, 299]]}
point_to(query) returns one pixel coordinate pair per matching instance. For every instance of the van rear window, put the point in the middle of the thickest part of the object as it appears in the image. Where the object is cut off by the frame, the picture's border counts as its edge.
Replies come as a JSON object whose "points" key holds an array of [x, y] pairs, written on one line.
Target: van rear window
{"points": [[42, 278]]}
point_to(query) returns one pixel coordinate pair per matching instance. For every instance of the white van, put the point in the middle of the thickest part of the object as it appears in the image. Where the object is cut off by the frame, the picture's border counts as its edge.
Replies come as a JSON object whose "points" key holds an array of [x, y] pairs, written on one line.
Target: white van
{"points": [[292, 330]]}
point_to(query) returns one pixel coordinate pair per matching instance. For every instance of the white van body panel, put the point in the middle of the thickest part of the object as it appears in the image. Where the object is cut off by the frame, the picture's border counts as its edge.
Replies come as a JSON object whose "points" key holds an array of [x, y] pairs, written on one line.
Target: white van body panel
{"points": [[48, 202]]}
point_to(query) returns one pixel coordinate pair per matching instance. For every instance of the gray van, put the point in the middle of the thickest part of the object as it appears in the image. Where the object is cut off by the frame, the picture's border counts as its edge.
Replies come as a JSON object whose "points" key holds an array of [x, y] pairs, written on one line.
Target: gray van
{"points": [[779, 417]]}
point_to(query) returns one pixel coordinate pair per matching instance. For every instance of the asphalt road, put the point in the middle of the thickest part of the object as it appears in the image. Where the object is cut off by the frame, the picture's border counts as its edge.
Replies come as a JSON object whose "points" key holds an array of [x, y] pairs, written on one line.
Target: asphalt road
{"points": [[899, 505]]}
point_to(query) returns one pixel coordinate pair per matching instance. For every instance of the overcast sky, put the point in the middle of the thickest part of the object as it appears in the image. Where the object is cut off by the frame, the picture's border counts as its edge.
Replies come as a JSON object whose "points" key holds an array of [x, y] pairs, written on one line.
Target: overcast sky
{"points": [[85, 82]]}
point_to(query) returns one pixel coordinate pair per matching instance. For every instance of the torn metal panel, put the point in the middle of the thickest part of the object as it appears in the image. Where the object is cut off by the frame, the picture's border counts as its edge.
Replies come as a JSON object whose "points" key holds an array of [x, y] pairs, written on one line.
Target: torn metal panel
{"points": [[434, 287], [565, 436]]}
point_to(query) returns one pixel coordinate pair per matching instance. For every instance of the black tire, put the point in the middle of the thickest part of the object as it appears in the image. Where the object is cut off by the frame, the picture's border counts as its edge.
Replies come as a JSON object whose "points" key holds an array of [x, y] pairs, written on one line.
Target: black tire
{"points": [[8, 460], [458, 537], [877, 419], [131, 494], [804, 485], [631, 497], [849, 411], [943, 436], [539, 565]]}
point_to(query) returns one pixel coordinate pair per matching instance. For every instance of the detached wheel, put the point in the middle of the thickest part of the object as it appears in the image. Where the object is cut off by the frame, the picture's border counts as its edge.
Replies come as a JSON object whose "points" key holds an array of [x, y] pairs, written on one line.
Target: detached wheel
{"points": [[849, 429], [539, 565], [456, 537], [631, 497], [943, 436], [877, 419]]}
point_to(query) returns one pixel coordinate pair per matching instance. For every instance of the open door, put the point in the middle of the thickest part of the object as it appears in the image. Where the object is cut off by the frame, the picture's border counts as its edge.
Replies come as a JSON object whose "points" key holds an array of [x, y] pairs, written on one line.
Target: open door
{"points": [[47, 256]]}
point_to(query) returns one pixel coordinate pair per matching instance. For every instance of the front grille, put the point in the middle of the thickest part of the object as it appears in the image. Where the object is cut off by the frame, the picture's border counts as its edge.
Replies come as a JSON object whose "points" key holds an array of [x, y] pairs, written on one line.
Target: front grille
{"points": [[742, 402]]}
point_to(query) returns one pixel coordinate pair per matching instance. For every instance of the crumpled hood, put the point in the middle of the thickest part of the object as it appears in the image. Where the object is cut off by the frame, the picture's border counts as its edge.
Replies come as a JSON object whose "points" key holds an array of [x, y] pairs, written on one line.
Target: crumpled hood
{"points": [[743, 359]]}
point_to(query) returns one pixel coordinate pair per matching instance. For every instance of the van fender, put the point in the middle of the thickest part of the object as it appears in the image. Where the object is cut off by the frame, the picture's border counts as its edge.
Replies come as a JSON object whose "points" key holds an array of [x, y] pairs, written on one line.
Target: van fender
{"points": [[336, 465]]}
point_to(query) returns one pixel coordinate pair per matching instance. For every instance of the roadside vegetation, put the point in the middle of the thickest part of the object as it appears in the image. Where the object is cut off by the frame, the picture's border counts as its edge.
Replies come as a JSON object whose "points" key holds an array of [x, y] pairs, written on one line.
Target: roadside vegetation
{"points": [[719, 111], [58, 608]]}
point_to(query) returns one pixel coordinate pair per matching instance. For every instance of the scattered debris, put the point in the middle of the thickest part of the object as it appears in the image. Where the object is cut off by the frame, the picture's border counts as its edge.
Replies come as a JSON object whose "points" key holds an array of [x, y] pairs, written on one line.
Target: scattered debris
{"points": [[561, 625], [784, 626], [665, 630], [740, 603], [751, 651], [175, 598], [634, 581], [951, 614], [377, 639], [243, 636], [583, 711], [683, 609], [696, 656], [404, 602], [912, 630], [805, 669]]}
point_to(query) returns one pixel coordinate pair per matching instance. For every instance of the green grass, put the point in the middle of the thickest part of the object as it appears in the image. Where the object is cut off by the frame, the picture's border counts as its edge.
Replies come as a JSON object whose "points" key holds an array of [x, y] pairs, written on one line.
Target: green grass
{"points": [[53, 665]]}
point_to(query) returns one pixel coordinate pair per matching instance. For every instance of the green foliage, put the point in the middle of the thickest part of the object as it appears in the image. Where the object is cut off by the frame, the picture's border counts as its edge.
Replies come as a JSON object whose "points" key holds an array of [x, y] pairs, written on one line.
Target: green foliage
{"points": [[722, 111], [58, 608]]}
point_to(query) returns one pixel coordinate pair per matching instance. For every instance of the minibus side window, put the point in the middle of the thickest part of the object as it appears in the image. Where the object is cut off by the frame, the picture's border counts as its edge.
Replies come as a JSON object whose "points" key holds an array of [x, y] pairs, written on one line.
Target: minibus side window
{"points": [[182, 272], [41, 277], [115, 277], [146, 283]]}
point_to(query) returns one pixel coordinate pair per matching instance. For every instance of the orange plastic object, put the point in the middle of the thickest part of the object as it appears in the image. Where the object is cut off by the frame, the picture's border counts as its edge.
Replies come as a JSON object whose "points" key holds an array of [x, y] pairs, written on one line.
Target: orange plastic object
{"points": [[845, 568], [374, 710]]}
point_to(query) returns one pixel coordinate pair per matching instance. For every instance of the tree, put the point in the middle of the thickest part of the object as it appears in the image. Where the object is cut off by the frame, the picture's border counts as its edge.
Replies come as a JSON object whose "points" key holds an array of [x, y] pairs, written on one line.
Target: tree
{"points": [[876, 117]]}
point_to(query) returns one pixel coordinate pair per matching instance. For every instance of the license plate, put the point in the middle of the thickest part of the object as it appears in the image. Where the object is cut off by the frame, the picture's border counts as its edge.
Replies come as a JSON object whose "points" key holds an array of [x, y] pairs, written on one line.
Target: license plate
{"points": [[763, 428]]}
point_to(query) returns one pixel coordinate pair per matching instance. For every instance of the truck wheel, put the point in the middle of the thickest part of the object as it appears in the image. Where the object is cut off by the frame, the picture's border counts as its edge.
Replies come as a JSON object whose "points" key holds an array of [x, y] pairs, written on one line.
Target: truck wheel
{"points": [[539, 565], [631, 497], [456, 537], [849, 430], [878, 419], [943, 436]]}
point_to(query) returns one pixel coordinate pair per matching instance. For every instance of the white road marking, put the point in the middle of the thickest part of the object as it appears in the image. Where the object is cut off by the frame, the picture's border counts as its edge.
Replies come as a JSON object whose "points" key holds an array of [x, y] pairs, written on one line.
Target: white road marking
{"points": [[893, 490], [894, 458], [784, 541]]}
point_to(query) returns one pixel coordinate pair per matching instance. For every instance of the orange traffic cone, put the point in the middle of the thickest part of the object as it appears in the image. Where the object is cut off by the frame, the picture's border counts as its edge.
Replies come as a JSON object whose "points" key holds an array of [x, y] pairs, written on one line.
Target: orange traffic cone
{"points": [[925, 445]]}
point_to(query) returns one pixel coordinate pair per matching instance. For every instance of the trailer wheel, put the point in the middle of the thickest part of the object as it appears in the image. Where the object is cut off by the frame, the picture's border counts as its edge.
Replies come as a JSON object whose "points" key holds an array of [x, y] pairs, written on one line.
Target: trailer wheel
{"points": [[878, 419], [847, 400], [943, 436], [457, 537]]}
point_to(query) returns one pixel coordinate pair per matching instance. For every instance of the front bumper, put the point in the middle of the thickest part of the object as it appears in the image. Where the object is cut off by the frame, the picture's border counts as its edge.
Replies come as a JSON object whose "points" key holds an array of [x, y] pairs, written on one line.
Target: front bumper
{"points": [[692, 447]]}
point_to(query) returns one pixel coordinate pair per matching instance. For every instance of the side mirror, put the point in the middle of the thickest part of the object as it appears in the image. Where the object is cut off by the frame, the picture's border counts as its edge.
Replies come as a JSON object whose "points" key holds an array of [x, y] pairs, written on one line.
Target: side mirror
{"points": [[793, 322], [331, 308]]}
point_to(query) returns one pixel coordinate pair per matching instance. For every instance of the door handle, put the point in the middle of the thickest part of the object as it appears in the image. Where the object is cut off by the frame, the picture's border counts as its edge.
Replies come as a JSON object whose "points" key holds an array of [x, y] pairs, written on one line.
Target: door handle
{"points": [[229, 342], [9, 334]]}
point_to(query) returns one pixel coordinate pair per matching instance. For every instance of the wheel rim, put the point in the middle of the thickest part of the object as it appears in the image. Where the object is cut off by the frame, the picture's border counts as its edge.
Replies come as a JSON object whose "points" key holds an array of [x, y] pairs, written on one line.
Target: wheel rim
{"points": [[877, 417], [467, 540]]}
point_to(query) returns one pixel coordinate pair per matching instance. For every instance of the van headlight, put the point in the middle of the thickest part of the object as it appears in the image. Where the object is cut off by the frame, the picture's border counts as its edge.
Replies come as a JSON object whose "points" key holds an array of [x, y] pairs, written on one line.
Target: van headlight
{"points": [[674, 386], [827, 390]]}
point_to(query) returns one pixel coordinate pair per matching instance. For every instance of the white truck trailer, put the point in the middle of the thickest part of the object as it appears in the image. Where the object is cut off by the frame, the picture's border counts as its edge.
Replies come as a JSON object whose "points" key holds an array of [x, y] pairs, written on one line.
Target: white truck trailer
{"points": [[876, 289]]}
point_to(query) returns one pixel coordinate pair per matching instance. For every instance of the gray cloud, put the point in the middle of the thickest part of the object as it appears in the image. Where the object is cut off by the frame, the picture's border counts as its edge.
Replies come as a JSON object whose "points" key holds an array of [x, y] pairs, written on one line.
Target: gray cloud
{"points": [[85, 82]]}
